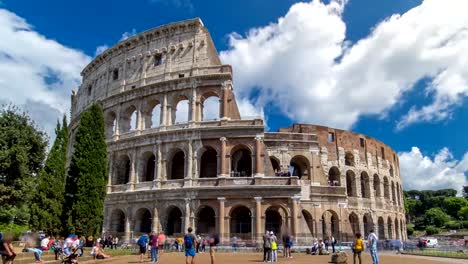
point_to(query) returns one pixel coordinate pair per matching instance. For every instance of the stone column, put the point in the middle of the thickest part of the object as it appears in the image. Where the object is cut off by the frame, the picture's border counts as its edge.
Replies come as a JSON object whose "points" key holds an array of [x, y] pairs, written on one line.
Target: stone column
{"points": [[295, 220], [223, 158], [226, 92], [259, 156], [117, 121], [188, 173], [169, 114], [155, 219], [193, 106], [187, 215], [163, 118], [139, 121], [133, 174], [258, 219], [111, 172], [221, 230], [157, 164], [128, 230]]}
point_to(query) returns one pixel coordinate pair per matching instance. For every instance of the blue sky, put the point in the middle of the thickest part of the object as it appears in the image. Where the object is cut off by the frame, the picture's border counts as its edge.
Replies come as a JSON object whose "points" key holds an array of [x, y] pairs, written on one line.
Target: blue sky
{"points": [[433, 136]]}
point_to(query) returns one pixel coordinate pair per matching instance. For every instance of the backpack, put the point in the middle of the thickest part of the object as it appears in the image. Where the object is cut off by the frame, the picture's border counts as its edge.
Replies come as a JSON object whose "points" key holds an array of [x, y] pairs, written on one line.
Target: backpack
{"points": [[188, 242], [358, 245], [141, 241]]}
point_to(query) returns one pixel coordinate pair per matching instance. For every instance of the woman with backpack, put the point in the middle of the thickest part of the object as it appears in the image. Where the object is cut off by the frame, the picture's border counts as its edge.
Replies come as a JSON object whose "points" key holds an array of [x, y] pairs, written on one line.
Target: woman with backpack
{"points": [[358, 247], [142, 243]]}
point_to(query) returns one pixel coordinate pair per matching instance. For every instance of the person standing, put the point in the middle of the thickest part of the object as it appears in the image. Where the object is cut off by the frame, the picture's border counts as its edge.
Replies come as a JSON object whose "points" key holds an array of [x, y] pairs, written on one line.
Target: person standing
{"points": [[266, 247], [115, 242], [287, 243], [358, 247], [333, 243], [372, 244], [234, 243], [154, 248], [142, 243], [6, 249], [161, 242], [274, 247], [189, 242]]}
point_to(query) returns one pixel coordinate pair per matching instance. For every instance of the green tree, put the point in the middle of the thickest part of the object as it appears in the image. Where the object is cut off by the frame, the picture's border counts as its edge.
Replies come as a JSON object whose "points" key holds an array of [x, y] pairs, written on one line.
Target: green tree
{"points": [[22, 151], [436, 216], [463, 213], [47, 203], [88, 173], [452, 205]]}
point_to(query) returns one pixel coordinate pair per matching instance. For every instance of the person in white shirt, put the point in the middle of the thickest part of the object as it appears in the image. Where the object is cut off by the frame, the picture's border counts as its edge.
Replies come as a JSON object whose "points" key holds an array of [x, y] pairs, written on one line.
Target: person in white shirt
{"points": [[45, 243], [372, 245]]}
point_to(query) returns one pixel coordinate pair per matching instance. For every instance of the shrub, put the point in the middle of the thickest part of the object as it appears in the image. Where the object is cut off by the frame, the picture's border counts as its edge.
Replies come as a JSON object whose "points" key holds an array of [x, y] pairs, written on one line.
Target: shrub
{"points": [[464, 223], [410, 229], [432, 230], [15, 229], [452, 225]]}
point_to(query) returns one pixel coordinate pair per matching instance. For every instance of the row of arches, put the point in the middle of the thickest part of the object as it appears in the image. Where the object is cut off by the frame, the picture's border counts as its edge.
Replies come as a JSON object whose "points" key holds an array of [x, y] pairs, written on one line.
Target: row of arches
{"points": [[351, 161], [151, 114], [392, 229]]}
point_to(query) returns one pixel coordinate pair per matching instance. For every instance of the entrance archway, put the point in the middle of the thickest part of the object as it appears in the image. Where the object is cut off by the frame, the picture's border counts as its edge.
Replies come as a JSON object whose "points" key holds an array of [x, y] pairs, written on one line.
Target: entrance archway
{"points": [[381, 224], [389, 228], [334, 176], [117, 223], [206, 220], [300, 167], [122, 170], [241, 163], [354, 222], [174, 221], [209, 164], [273, 221], [368, 224], [310, 223], [177, 166], [143, 221], [330, 224], [241, 222], [351, 184]]}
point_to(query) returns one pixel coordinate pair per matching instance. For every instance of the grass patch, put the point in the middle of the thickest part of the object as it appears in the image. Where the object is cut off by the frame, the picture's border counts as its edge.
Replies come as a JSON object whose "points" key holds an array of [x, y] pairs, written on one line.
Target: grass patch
{"points": [[433, 253]]}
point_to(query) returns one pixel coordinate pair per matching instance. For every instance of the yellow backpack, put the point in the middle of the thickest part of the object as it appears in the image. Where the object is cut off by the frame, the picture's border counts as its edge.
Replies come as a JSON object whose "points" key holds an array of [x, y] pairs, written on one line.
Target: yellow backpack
{"points": [[273, 245], [359, 245]]}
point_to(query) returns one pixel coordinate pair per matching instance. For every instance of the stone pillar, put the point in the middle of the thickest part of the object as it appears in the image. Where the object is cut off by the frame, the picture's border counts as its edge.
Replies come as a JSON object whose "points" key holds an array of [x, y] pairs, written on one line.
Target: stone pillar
{"points": [[157, 165], [139, 117], [155, 220], [221, 230], [188, 173], [163, 118], [111, 172], [128, 230], [259, 156], [222, 158], [187, 215], [169, 114], [295, 220], [226, 92], [133, 174], [193, 105], [117, 121], [258, 219]]}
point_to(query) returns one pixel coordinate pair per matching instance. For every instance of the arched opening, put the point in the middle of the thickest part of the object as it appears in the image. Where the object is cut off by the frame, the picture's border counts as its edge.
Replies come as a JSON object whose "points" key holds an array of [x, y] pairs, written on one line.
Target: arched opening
{"points": [[398, 194], [386, 188], [210, 108], [209, 164], [177, 165], [354, 222], [368, 224], [150, 163], [273, 221], [275, 164], [393, 194], [381, 230], [241, 163], [122, 170], [117, 223], [181, 112], [206, 220], [351, 184], [156, 116], [300, 167], [334, 177], [349, 159], [111, 120], [143, 221], [330, 224], [309, 222], [402, 230], [391, 170], [241, 222], [365, 185], [174, 222], [152, 114], [389, 228], [397, 229], [377, 190], [128, 119]]}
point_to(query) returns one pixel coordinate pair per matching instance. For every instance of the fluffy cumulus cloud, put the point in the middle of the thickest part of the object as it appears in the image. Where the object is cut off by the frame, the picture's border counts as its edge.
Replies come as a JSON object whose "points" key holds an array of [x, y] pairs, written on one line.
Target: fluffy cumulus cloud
{"points": [[422, 172], [36, 73], [304, 64]]}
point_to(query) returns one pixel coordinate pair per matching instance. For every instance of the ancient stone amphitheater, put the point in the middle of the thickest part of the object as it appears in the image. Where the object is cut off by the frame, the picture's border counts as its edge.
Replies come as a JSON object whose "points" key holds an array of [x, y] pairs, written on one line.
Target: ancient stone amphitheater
{"points": [[180, 154]]}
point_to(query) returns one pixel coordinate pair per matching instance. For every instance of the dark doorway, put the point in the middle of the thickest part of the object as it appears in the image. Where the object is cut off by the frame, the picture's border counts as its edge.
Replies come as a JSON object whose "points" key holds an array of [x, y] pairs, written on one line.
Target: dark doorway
{"points": [[174, 222], [209, 164], [178, 166], [206, 221], [241, 163]]}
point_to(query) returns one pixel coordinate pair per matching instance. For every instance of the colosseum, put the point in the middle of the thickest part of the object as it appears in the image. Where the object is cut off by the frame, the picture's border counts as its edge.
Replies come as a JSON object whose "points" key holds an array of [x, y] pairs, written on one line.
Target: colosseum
{"points": [[180, 155]]}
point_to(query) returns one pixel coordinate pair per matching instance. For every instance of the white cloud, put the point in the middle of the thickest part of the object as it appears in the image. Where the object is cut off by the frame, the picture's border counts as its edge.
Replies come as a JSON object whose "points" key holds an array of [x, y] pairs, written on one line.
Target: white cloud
{"points": [[127, 34], [100, 49], [304, 65], [425, 173], [37, 73]]}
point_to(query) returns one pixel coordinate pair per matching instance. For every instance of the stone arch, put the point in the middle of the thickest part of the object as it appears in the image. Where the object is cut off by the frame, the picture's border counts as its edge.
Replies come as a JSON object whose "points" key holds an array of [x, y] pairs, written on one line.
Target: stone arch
{"points": [[206, 220], [174, 221], [117, 221], [398, 193], [143, 221], [397, 229], [148, 166], [181, 110], [391, 171], [386, 188], [389, 228], [111, 122], [275, 164], [365, 185], [309, 221], [128, 120], [241, 161], [349, 159], [393, 194], [381, 230], [354, 223], [122, 170], [351, 189], [334, 176], [210, 106], [176, 166], [152, 113], [330, 224], [240, 224], [368, 224], [208, 163], [403, 237], [275, 219], [301, 167], [377, 188]]}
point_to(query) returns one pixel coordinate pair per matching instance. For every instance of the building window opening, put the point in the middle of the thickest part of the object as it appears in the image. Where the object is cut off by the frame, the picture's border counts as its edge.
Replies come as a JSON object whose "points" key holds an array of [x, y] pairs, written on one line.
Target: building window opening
{"points": [[362, 142], [383, 152], [349, 159], [115, 74], [331, 137], [158, 60], [241, 163]]}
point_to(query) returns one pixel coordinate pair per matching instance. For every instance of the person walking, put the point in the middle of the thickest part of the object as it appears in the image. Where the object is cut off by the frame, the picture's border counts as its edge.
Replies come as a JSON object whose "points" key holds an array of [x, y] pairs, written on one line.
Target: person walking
{"points": [[358, 247], [266, 247], [287, 243], [142, 243], [154, 248], [372, 244], [161, 242], [189, 242], [333, 243], [234, 243]]}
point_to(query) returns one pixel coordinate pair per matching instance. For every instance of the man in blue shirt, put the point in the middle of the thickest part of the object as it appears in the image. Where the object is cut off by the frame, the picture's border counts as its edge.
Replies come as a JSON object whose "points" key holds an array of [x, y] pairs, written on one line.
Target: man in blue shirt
{"points": [[372, 245], [189, 243]]}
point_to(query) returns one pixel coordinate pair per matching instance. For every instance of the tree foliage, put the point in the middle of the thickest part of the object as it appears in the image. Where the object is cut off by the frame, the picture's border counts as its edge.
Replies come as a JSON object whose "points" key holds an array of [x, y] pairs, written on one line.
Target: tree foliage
{"points": [[463, 213], [436, 216], [86, 181], [452, 205], [48, 200], [22, 152]]}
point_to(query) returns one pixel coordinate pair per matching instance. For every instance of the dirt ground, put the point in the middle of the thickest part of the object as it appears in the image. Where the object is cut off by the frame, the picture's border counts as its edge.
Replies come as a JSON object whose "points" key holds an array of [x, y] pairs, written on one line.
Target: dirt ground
{"points": [[244, 258]]}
